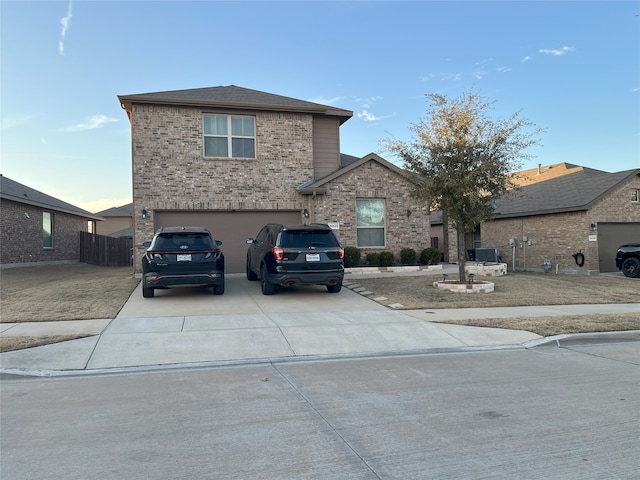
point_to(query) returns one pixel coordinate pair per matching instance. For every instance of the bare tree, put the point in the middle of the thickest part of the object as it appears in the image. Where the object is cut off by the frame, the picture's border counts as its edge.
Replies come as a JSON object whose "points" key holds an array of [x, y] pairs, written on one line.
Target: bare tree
{"points": [[464, 159]]}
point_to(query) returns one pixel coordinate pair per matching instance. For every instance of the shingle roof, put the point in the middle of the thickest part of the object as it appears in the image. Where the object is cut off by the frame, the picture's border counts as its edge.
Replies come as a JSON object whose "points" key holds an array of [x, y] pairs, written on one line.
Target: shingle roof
{"points": [[236, 97], [17, 192], [571, 192], [123, 211]]}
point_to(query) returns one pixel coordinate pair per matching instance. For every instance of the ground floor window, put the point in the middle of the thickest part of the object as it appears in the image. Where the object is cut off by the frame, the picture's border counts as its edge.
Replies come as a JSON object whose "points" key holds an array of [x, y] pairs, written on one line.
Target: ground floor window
{"points": [[370, 214], [47, 229]]}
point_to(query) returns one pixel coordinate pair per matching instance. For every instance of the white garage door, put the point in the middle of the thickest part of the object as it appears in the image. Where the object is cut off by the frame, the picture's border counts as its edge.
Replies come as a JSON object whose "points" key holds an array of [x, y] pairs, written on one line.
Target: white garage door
{"points": [[232, 228]]}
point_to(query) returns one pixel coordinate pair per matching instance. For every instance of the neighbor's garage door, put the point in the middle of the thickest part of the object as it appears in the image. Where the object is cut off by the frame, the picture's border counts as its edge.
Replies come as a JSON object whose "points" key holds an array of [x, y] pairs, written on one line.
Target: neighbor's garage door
{"points": [[232, 228], [610, 237]]}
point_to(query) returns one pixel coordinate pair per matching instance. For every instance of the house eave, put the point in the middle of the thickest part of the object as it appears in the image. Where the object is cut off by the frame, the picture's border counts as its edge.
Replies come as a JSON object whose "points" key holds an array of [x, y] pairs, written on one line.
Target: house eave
{"points": [[44, 206], [126, 103]]}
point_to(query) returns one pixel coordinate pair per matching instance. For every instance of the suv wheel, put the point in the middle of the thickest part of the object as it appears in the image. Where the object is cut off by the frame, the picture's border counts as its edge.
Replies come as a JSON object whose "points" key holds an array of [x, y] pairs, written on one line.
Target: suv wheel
{"points": [[250, 275], [147, 292], [334, 288], [267, 287], [218, 289], [631, 267]]}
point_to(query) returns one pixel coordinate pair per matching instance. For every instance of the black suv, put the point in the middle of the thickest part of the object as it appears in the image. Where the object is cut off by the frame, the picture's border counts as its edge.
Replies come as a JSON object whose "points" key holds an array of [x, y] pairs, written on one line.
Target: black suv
{"points": [[182, 256], [295, 255], [628, 260]]}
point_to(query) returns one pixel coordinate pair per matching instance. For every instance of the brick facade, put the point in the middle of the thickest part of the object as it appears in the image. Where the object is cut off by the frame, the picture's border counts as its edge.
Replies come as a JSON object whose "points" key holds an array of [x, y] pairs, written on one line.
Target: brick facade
{"points": [[374, 181], [21, 235], [171, 173], [558, 236]]}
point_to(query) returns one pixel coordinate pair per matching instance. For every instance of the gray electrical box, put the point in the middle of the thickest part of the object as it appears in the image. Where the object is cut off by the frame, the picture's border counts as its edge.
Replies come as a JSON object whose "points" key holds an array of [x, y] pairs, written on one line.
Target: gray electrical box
{"points": [[486, 254]]}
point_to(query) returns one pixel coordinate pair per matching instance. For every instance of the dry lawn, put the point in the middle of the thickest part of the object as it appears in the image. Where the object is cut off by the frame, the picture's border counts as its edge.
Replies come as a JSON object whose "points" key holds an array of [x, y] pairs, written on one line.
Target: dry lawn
{"points": [[522, 289], [80, 292], [60, 292]]}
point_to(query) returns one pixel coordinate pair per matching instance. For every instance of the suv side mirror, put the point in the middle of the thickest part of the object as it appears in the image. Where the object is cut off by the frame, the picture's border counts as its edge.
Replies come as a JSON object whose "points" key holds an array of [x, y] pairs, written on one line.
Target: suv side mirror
{"points": [[218, 243], [146, 244], [250, 240]]}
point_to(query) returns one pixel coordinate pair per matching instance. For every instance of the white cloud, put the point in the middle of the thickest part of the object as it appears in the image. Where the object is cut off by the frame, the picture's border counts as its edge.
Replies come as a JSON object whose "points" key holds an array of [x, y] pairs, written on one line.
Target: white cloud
{"points": [[326, 101], [96, 121], [503, 69], [556, 52], [368, 116], [525, 59], [66, 23]]}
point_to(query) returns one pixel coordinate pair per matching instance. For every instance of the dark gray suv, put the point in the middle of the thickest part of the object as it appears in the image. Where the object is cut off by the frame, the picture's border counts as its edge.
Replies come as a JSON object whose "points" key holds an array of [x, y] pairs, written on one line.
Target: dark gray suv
{"points": [[295, 255], [182, 256]]}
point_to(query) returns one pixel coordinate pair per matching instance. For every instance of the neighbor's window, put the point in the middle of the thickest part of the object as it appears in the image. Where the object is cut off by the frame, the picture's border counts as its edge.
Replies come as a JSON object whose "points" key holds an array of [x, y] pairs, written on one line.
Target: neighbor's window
{"points": [[229, 136], [370, 222], [634, 195], [47, 230]]}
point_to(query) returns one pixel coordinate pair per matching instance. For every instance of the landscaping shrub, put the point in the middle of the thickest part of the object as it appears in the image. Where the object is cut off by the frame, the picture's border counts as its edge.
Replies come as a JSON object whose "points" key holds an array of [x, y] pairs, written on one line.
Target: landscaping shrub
{"points": [[386, 259], [351, 257], [408, 256], [373, 259], [430, 256]]}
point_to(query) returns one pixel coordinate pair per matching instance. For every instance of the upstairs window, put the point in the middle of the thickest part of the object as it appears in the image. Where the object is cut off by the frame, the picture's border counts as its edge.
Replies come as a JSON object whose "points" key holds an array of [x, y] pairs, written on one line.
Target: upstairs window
{"points": [[47, 229], [634, 196], [370, 215], [229, 136]]}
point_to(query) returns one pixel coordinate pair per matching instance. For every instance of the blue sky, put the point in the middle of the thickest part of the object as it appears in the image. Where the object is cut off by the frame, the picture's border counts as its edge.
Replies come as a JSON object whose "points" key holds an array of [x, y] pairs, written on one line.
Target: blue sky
{"points": [[571, 67]]}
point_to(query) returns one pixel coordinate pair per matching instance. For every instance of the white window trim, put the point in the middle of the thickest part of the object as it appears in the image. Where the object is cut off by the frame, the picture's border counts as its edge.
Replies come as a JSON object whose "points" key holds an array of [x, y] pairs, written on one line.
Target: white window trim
{"points": [[383, 227], [229, 136], [635, 193]]}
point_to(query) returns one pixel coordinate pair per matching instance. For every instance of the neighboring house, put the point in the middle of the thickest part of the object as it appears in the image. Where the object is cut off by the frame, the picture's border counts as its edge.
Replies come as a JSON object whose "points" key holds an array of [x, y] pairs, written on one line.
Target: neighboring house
{"points": [[560, 211], [118, 221], [36, 228], [232, 159]]}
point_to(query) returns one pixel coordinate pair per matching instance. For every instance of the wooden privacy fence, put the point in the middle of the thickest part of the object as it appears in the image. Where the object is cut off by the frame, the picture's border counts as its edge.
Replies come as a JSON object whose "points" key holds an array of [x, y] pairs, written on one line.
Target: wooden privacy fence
{"points": [[106, 251]]}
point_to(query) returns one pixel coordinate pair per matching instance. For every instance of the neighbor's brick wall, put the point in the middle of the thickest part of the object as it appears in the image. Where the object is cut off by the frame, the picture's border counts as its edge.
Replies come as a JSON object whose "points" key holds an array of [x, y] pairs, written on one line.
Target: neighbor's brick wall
{"points": [[558, 236], [21, 237], [617, 206], [370, 181], [171, 173], [555, 237]]}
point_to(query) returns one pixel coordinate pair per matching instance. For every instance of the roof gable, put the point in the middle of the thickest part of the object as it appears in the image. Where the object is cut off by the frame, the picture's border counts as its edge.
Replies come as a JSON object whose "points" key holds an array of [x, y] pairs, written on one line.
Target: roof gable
{"points": [[349, 163], [17, 192], [232, 96]]}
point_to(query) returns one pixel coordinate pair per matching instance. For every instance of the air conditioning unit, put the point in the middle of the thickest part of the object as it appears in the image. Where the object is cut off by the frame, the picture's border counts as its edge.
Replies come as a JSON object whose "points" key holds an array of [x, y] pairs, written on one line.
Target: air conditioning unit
{"points": [[487, 255]]}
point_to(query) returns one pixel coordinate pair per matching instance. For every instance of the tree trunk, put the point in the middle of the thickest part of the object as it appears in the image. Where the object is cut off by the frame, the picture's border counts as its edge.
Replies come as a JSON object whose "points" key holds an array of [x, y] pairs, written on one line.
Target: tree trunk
{"points": [[462, 252]]}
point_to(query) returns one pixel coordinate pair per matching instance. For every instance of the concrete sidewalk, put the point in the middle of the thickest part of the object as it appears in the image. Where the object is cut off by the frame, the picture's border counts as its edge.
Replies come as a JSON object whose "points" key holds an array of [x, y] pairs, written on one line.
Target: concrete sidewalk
{"points": [[180, 328]]}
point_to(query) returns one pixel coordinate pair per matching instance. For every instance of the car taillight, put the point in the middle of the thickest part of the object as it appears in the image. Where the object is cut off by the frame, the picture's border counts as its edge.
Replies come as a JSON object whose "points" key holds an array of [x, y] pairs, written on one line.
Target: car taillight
{"points": [[341, 252], [278, 253], [214, 254], [153, 256]]}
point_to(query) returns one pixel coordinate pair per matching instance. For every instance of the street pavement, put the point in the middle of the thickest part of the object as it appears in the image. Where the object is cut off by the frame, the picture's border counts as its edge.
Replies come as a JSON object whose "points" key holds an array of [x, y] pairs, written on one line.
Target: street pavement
{"points": [[183, 327]]}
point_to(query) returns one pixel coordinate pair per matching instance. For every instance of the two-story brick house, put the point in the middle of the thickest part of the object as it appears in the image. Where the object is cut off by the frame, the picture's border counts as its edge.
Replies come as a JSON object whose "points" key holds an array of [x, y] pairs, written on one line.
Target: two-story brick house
{"points": [[232, 159]]}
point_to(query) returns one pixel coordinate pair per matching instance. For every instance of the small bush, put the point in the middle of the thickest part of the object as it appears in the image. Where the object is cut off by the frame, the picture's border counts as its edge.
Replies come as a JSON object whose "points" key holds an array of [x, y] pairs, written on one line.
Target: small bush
{"points": [[351, 257], [386, 259], [430, 256], [408, 256], [373, 259]]}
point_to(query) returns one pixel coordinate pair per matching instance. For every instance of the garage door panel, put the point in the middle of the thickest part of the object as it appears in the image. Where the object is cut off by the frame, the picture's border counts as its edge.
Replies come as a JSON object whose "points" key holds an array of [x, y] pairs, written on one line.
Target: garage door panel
{"points": [[231, 228], [610, 237]]}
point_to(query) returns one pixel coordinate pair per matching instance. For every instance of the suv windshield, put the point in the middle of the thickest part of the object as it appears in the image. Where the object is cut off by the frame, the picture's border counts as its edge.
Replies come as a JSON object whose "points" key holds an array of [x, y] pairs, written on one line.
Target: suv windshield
{"points": [[308, 238]]}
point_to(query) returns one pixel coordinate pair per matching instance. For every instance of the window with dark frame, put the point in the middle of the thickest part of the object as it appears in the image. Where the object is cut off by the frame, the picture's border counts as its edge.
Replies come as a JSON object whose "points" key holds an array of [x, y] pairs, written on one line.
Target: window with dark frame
{"points": [[634, 196], [47, 230], [229, 136]]}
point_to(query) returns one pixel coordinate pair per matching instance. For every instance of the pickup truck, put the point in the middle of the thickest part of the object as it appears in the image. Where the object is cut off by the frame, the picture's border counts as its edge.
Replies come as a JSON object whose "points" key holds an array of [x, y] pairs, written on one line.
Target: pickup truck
{"points": [[628, 260]]}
